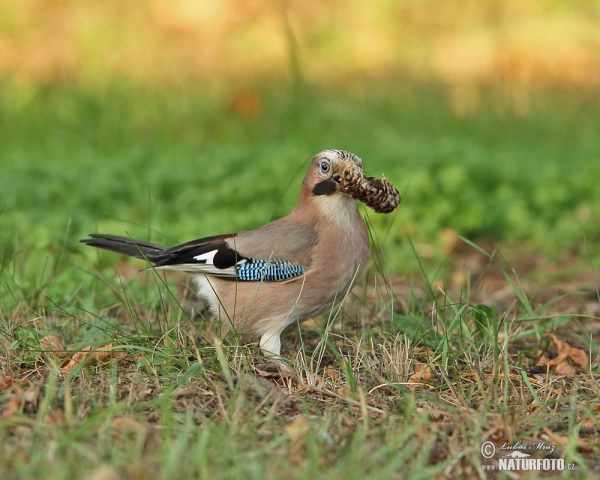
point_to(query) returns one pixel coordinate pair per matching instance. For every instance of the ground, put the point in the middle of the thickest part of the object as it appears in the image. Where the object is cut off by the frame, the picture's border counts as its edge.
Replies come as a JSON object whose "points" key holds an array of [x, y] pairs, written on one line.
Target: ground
{"points": [[476, 321], [405, 388]]}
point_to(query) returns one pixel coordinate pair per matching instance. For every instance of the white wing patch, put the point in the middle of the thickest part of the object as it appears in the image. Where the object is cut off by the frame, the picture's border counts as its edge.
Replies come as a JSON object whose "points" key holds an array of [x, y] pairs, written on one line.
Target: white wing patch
{"points": [[205, 265], [206, 257]]}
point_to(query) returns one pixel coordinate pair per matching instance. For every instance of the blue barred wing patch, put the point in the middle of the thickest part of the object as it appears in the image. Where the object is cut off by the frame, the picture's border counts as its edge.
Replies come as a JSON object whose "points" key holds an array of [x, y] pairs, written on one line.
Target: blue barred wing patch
{"points": [[259, 270]]}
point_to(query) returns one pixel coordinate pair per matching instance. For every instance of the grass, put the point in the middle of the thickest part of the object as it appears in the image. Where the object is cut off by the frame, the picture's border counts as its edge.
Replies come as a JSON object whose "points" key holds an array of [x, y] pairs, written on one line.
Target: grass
{"points": [[128, 159], [104, 375]]}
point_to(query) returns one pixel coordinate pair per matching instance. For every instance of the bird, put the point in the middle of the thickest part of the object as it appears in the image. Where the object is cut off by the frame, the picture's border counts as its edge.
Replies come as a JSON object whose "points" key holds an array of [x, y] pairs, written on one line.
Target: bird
{"points": [[290, 270]]}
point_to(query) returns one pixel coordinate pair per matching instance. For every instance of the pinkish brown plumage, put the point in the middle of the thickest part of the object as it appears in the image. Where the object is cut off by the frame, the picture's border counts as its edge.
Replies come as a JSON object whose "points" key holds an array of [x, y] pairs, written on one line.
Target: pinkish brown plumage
{"points": [[292, 269]]}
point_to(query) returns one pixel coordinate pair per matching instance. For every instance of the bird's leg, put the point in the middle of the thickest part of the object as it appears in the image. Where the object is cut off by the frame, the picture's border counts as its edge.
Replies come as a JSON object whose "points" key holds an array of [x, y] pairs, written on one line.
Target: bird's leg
{"points": [[270, 344]]}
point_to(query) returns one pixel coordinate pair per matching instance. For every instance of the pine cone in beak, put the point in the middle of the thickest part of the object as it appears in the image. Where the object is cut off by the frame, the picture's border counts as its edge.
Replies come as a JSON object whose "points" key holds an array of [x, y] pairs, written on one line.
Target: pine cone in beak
{"points": [[380, 195]]}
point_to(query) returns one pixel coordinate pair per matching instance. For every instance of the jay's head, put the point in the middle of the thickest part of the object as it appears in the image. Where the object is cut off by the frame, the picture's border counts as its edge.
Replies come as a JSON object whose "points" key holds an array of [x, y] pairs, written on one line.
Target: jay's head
{"points": [[337, 173]]}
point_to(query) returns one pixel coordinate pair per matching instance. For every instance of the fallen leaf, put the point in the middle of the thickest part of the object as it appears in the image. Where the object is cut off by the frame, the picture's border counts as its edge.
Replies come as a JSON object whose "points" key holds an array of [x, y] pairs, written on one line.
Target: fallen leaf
{"points": [[556, 439], [126, 423], [6, 382], [92, 355], [419, 377], [123, 426], [11, 407], [589, 423], [298, 429], [55, 417], [332, 374], [564, 350], [563, 368], [593, 421], [106, 353], [578, 356], [421, 374], [53, 345], [543, 361], [147, 392]]}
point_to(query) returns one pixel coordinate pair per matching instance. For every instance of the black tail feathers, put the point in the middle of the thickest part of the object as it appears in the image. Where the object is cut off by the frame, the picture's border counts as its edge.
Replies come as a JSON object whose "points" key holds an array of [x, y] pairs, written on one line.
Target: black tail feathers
{"points": [[126, 246]]}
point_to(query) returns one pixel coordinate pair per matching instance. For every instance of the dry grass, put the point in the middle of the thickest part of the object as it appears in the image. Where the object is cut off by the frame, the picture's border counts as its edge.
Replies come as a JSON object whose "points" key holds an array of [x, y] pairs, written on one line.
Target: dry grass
{"points": [[361, 398], [415, 374]]}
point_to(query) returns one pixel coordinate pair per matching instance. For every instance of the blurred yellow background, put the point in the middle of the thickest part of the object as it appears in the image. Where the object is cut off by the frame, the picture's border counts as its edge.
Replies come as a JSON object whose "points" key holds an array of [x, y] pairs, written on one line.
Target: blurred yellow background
{"points": [[516, 43]]}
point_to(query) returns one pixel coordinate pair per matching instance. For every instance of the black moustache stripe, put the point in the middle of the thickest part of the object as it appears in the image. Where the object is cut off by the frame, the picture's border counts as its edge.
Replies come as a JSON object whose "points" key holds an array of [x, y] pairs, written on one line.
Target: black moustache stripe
{"points": [[326, 187]]}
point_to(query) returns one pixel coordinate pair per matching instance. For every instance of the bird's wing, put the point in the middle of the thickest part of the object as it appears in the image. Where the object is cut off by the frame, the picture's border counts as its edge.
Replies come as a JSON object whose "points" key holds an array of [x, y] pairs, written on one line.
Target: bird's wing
{"points": [[281, 239], [210, 255], [278, 251]]}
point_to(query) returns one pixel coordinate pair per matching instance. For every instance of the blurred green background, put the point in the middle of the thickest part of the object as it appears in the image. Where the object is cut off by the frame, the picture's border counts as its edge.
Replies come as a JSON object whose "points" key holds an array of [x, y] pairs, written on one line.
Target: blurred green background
{"points": [[172, 120]]}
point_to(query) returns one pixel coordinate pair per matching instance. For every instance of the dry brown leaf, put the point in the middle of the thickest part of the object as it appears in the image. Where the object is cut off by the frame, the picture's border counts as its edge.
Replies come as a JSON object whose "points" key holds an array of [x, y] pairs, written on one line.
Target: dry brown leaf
{"points": [[563, 368], [332, 374], [298, 428], [92, 355], [298, 431], [11, 407], [589, 423], [543, 361], [147, 392], [127, 423], [55, 417], [53, 345], [559, 359], [556, 439], [421, 374], [6, 382], [559, 364], [77, 358], [592, 422], [578, 356], [302, 388], [123, 426], [106, 353], [565, 350]]}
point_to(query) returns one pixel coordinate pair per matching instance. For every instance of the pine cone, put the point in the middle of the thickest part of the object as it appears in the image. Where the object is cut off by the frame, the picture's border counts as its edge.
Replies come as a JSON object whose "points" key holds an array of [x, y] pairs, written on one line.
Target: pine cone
{"points": [[380, 195]]}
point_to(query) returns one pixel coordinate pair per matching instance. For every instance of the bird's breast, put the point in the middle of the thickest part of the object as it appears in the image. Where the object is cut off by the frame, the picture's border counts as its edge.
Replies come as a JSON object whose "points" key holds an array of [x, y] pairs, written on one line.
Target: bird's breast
{"points": [[341, 252]]}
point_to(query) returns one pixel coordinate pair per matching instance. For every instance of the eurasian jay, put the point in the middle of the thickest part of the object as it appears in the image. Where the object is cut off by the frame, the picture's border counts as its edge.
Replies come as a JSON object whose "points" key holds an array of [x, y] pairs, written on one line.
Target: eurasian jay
{"points": [[292, 269]]}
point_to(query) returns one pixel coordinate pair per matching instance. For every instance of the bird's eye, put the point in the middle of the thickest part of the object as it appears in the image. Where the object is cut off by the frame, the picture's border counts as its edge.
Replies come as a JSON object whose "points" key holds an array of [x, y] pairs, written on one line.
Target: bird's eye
{"points": [[325, 167]]}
